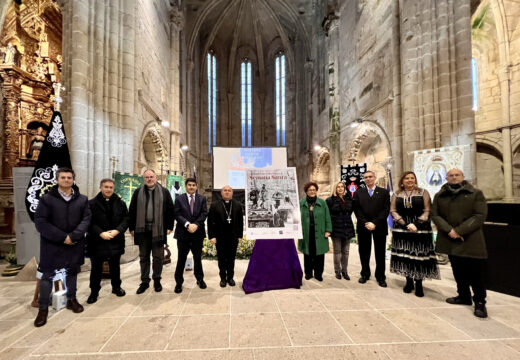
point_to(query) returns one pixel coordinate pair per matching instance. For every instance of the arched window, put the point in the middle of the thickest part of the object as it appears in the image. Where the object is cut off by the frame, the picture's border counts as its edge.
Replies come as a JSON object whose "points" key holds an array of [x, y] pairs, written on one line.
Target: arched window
{"points": [[247, 102], [212, 101], [280, 99], [474, 81]]}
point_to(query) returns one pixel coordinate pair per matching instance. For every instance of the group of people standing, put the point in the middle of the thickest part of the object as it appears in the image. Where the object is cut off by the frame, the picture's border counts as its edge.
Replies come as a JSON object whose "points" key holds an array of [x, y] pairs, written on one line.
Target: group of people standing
{"points": [[458, 211], [64, 216]]}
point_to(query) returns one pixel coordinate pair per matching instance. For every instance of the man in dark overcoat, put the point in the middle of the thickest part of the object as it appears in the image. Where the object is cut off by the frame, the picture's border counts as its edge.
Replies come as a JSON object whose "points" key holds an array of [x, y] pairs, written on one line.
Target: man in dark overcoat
{"points": [[459, 211], [62, 219], [372, 206], [106, 238], [151, 218], [225, 230], [190, 212]]}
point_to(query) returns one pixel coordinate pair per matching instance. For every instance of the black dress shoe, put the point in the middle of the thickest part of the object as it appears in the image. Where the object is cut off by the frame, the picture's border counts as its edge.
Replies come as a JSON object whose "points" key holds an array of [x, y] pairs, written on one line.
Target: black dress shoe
{"points": [[41, 318], [457, 300], [202, 284], [319, 278], [308, 277], [362, 280], [142, 288], [92, 298], [231, 282], [119, 292], [178, 289], [338, 275], [382, 283], [480, 310], [345, 276], [74, 305], [157, 286], [223, 283]]}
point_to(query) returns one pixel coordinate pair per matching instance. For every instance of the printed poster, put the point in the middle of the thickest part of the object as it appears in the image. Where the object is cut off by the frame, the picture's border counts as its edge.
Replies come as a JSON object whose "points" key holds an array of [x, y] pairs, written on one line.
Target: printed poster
{"points": [[272, 204]]}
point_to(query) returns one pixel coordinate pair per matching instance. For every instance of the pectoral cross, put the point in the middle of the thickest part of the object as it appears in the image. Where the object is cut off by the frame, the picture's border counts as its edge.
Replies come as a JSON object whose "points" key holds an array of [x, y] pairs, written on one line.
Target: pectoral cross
{"points": [[229, 220]]}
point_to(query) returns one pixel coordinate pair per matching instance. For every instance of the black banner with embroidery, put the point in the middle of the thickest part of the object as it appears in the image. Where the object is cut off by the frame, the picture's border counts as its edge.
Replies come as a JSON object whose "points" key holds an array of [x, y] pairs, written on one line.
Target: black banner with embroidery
{"points": [[353, 176], [53, 155]]}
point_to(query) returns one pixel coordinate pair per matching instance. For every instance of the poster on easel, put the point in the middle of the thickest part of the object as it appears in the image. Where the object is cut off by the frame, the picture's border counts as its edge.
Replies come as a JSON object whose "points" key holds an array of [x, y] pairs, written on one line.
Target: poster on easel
{"points": [[272, 204]]}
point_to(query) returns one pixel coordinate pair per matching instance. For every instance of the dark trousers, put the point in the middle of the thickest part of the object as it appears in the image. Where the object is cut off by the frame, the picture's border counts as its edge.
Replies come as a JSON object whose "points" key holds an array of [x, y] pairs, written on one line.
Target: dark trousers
{"points": [[46, 285], [183, 248], [97, 269], [157, 250], [226, 252], [470, 272], [314, 263], [365, 249]]}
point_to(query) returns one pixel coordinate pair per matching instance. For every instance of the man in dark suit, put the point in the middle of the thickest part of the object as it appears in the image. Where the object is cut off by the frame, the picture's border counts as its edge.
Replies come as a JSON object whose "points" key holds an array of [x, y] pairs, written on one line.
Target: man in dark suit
{"points": [[190, 213], [371, 206], [225, 229], [150, 222]]}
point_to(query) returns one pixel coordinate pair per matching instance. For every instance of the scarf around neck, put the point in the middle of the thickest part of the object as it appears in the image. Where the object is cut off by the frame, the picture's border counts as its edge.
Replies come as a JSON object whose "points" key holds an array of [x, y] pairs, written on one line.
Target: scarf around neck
{"points": [[156, 195]]}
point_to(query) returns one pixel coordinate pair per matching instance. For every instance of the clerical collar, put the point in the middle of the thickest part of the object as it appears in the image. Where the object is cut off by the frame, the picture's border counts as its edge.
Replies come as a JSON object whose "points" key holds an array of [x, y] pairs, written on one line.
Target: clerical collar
{"points": [[227, 201]]}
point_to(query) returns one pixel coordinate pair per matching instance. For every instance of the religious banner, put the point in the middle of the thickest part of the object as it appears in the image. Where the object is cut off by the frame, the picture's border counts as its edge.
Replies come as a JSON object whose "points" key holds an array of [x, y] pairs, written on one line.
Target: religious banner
{"points": [[353, 176], [125, 185], [431, 166], [53, 155], [175, 185], [272, 205]]}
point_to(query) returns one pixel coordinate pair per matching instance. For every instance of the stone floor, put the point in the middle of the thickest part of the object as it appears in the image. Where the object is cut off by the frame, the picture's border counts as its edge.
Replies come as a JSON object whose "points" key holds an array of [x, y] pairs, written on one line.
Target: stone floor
{"points": [[334, 319]]}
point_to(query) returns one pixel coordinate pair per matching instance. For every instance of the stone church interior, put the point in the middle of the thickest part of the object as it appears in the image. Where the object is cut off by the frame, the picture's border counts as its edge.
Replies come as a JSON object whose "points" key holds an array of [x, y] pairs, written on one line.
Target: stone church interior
{"points": [[157, 84]]}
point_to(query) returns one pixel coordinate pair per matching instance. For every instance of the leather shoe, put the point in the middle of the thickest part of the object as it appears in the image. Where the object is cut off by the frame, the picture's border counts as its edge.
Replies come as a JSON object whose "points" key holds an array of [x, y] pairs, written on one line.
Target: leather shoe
{"points": [[202, 284], [119, 292], [338, 275], [362, 280], [480, 310], [41, 318], [231, 282], [223, 283], [457, 300], [319, 278], [74, 305], [92, 298], [157, 286], [142, 288], [345, 276], [382, 283], [178, 289], [308, 277]]}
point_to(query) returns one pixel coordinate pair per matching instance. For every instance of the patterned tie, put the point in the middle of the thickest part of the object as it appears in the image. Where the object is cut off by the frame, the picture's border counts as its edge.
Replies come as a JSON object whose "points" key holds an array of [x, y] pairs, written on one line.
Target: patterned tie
{"points": [[192, 203], [370, 192]]}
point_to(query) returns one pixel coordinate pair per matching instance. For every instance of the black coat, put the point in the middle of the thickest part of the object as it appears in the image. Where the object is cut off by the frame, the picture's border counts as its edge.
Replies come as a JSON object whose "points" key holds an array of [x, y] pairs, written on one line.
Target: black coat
{"points": [[373, 209], [184, 215], [217, 221], [341, 217], [56, 218], [107, 215], [168, 214]]}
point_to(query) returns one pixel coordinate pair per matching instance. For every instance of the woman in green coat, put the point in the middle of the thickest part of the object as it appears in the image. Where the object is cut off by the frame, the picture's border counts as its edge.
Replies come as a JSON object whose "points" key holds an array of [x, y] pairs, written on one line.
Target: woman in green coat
{"points": [[316, 228]]}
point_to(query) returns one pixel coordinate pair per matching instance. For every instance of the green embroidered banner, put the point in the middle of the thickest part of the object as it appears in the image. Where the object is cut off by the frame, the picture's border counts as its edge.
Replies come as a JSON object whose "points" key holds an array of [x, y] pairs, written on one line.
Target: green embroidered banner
{"points": [[126, 184], [175, 185]]}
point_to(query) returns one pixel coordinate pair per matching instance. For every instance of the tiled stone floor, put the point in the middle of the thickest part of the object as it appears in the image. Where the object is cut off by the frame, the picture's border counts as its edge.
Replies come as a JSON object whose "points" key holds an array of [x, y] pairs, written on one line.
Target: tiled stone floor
{"points": [[335, 319]]}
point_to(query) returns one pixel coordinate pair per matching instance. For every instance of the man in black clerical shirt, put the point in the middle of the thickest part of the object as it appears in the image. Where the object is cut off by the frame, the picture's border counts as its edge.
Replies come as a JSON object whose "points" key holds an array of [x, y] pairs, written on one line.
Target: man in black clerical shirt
{"points": [[225, 229]]}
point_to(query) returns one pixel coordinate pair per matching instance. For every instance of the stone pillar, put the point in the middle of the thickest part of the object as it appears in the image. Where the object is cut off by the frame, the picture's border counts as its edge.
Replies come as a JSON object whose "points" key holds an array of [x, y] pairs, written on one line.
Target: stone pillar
{"points": [[397, 148], [436, 77], [504, 78], [176, 26]]}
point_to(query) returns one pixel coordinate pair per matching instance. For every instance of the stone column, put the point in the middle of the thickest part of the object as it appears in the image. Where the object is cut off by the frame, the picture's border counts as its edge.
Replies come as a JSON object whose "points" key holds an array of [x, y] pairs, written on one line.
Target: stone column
{"points": [[397, 148], [436, 91], [504, 78]]}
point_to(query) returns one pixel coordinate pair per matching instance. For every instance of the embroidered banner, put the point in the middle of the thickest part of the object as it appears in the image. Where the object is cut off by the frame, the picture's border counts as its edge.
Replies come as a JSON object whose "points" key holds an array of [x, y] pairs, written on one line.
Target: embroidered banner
{"points": [[126, 184], [175, 185], [353, 176]]}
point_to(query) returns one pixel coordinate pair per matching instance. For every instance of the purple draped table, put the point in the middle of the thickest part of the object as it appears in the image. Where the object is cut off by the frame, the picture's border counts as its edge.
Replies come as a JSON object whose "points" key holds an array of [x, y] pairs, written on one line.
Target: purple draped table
{"points": [[274, 264]]}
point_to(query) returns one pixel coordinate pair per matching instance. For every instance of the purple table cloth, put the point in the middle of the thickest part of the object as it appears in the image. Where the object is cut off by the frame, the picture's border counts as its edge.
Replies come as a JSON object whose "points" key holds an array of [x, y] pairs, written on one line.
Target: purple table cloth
{"points": [[274, 264]]}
